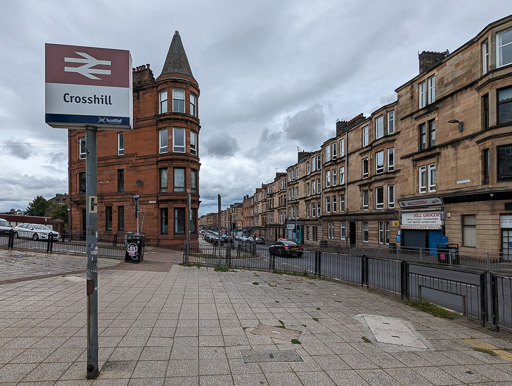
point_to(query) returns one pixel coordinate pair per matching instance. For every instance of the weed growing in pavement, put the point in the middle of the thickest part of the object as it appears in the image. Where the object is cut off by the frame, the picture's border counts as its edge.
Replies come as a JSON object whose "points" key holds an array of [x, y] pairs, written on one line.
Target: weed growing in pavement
{"points": [[295, 341], [197, 265], [255, 283], [277, 301], [315, 319], [282, 324], [428, 307], [366, 339], [318, 308], [221, 268], [303, 325], [485, 351], [272, 285]]}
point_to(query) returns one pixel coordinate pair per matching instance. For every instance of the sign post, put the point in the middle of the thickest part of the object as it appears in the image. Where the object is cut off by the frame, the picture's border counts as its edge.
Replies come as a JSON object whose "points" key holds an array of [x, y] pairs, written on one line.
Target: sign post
{"points": [[89, 88]]}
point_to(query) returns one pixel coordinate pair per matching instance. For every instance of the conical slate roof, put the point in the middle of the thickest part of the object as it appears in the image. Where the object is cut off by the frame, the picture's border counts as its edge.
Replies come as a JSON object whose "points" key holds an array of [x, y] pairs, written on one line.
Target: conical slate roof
{"points": [[176, 61]]}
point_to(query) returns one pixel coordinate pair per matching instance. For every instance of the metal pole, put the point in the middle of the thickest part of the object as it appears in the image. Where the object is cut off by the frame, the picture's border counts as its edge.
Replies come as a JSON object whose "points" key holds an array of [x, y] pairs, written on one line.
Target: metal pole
{"points": [[189, 215], [218, 223], [92, 253]]}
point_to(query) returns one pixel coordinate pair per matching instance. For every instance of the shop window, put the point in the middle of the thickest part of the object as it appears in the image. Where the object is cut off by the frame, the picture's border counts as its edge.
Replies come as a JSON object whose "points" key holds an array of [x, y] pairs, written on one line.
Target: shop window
{"points": [[365, 232], [469, 230], [505, 105], [504, 163]]}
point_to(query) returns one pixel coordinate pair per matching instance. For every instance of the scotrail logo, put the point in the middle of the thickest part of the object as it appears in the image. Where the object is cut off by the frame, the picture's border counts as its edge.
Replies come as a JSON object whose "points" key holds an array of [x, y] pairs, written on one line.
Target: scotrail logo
{"points": [[109, 121], [86, 69]]}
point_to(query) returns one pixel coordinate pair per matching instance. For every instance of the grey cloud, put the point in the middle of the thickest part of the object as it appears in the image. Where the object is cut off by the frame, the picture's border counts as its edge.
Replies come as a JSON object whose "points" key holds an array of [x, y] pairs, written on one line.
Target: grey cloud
{"points": [[221, 145], [306, 127], [18, 149], [58, 158]]}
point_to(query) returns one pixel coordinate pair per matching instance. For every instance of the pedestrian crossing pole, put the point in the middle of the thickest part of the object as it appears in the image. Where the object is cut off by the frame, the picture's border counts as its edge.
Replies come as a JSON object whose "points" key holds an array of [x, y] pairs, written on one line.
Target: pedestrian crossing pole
{"points": [[92, 252]]}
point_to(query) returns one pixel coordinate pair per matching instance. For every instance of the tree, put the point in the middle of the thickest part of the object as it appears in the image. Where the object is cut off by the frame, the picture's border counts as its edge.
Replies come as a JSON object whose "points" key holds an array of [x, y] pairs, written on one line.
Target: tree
{"points": [[58, 211], [38, 206]]}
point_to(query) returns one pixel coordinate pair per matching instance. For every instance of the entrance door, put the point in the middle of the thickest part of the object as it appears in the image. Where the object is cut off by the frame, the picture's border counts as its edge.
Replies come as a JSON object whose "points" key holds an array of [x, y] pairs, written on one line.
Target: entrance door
{"points": [[352, 233], [434, 238]]}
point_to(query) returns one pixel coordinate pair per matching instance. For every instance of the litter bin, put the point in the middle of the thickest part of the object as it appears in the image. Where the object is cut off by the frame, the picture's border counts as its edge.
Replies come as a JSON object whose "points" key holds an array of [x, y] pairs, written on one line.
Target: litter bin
{"points": [[134, 248], [448, 254]]}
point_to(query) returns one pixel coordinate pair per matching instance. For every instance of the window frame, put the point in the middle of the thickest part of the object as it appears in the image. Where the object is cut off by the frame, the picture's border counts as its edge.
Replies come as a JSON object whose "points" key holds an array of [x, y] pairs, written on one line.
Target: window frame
{"points": [[164, 221], [503, 176], [485, 56], [471, 243], [365, 199], [431, 88], [193, 142], [193, 104], [343, 230], [422, 179], [391, 122], [120, 143], [163, 148], [432, 177], [499, 55], [178, 104], [327, 204], [180, 215], [391, 196], [177, 148], [162, 102], [507, 102], [379, 127], [120, 180], [193, 181], [391, 159], [486, 166], [379, 204], [120, 218], [334, 150], [327, 152], [366, 136], [365, 167], [108, 218], [334, 177], [82, 148], [422, 94], [328, 179], [342, 147], [342, 202], [342, 175], [163, 176], [379, 169], [364, 231], [175, 186]]}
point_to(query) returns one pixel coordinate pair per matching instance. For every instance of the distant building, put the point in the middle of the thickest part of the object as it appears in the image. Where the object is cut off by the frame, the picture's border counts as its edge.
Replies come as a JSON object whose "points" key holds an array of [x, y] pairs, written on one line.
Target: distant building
{"points": [[59, 199], [158, 159]]}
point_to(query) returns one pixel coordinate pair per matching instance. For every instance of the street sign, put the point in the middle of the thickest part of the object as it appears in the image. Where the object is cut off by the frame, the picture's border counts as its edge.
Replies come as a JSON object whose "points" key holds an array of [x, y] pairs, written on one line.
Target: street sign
{"points": [[88, 86]]}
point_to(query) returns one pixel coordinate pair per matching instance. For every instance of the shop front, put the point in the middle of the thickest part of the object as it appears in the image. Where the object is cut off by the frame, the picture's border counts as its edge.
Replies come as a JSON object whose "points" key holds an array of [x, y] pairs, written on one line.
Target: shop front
{"points": [[421, 224]]}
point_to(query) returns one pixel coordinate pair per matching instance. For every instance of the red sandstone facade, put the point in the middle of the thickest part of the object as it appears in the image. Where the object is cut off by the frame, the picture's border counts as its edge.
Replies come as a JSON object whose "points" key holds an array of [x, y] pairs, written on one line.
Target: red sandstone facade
{"points": [[158, 160]]}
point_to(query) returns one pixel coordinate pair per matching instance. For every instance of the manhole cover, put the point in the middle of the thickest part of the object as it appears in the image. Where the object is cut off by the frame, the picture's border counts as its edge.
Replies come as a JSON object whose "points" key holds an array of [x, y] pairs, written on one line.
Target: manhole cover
{"points": [[394, 331], [260, 356], [276, 332]]}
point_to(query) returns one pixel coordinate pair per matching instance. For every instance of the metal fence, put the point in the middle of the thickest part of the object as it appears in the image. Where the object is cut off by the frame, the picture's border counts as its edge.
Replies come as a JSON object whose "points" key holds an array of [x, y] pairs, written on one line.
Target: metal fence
{"points": [[476, 293], [109, 245]]}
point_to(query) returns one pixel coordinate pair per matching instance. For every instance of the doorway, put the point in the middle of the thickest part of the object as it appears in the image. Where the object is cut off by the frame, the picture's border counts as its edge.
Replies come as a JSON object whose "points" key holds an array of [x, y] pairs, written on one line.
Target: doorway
{"points": [[352, 233]]}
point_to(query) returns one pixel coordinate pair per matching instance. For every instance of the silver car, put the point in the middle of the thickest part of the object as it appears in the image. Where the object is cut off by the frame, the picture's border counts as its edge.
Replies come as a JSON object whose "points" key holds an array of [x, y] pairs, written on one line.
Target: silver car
{"points": [[35, 232], [5, 227]]}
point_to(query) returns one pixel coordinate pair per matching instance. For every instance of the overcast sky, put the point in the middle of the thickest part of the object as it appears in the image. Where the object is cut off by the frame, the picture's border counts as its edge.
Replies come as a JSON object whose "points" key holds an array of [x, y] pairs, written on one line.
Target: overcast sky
{"points": [[274, 75]]}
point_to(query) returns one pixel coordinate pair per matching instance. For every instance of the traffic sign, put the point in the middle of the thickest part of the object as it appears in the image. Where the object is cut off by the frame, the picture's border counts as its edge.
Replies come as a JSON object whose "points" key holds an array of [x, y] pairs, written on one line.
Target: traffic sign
{"points": [[88, 86]]}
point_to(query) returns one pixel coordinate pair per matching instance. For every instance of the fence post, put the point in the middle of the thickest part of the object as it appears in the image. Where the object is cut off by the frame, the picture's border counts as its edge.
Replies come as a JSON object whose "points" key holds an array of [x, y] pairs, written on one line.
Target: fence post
{"points": [[483, 297], [494, 304], [10, 244], [272, 263], [488, 262], [404, 280], [49, 243], [319, 271], [364, 270], [228, 255]]}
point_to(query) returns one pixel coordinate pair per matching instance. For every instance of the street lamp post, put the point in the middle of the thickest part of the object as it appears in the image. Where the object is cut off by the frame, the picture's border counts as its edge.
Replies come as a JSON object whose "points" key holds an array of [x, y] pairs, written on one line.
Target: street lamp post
{"points": [[136, 198]]}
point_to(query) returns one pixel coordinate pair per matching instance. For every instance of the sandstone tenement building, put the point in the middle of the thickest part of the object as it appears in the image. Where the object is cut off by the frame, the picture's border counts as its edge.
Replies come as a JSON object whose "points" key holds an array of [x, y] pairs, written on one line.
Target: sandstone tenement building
{"points": [[435, 166]]}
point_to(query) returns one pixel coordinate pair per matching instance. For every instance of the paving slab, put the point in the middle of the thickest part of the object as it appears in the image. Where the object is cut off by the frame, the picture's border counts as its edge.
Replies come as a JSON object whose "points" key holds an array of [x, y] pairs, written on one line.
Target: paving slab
{"points": [[165, 324]]}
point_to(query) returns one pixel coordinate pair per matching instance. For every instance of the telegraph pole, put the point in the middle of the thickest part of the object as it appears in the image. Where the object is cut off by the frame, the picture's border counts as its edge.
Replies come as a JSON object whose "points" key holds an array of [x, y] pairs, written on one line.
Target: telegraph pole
{"points": [[189, 215], [218, 222], [92, 252]]}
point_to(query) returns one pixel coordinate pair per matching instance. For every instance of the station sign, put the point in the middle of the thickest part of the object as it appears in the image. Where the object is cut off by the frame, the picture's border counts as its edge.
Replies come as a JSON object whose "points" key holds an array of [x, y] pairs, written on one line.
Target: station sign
{"points": [[88, 86]]}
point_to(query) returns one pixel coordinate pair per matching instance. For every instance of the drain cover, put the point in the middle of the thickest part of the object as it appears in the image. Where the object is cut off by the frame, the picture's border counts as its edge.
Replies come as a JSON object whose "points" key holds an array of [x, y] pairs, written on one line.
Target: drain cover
{"points": [[276, 332], [260, 356], [393, 331]]}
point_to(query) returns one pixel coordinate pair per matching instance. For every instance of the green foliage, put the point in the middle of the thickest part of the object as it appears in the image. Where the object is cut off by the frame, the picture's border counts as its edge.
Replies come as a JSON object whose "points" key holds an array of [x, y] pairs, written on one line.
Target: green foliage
{"points": [[38, 206], [366, 339], [255, 283], [222, 268], [485, 351], [296, 341], [315, 319], [428, 307]]}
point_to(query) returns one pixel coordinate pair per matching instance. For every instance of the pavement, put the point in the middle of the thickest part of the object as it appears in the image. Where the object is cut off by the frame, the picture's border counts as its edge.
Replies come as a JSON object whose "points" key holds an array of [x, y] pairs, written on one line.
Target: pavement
{"points": [[161, 323]]}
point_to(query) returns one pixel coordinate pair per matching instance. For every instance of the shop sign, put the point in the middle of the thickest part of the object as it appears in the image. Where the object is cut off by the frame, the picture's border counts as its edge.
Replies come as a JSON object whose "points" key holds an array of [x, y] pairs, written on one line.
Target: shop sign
{"points": [[421, 202], [422, 220], [506, 221]]}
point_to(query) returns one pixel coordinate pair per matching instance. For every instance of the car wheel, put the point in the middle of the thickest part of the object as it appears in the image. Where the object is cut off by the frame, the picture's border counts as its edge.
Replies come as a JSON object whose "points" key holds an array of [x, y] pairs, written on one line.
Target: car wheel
{"points": [[35, 237]]}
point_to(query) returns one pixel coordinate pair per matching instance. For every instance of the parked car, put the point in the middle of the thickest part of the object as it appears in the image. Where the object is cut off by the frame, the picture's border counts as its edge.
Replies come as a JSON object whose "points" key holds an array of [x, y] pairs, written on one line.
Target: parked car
{"points": [[286, 248], [35, 232], [260, 240], [5, 227]]}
